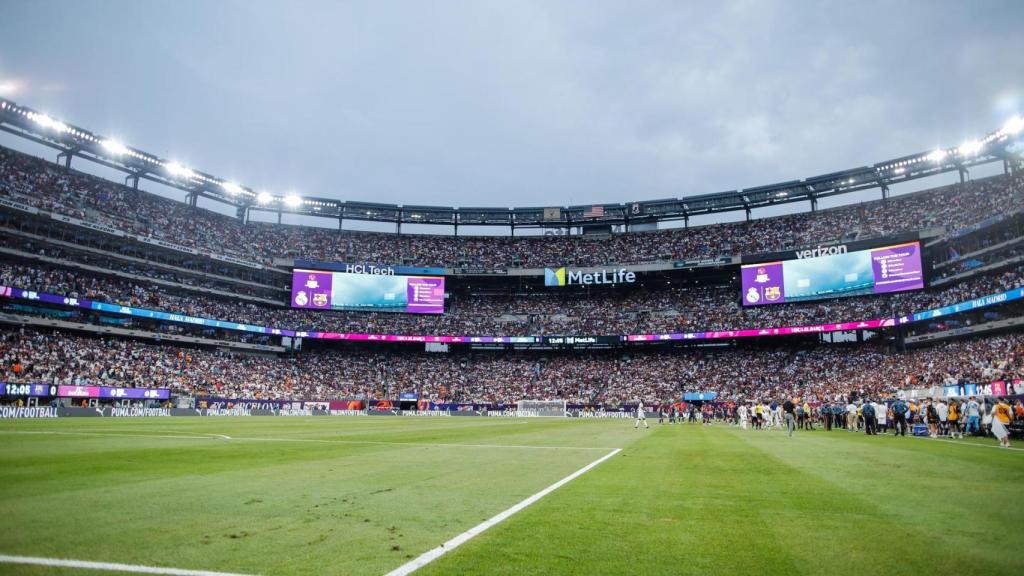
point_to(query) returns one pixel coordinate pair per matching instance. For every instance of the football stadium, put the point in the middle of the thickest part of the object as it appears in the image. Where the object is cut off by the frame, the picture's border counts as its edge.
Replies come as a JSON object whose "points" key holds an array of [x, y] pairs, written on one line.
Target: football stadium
{"points": [[206, 375]]}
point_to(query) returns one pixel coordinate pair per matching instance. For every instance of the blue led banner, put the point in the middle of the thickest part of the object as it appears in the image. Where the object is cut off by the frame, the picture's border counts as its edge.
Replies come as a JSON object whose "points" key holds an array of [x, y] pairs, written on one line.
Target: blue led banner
{"points": [[990, 300]]}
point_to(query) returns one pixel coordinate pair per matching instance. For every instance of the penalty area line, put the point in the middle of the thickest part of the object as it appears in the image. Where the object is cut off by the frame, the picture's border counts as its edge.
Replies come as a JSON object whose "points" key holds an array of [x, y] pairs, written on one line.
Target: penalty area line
{"points": [[431, 555], [108, 566]]}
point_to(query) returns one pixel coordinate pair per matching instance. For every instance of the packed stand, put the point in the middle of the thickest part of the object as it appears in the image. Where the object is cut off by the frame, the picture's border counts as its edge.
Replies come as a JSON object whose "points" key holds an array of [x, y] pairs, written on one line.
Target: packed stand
{"points": [[49, 187], [611, 378]]}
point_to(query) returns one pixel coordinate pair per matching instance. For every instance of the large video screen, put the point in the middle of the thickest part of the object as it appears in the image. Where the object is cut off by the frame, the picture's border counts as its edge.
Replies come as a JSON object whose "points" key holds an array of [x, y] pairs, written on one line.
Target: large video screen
{"points": [[325, 290], [875, 271]]}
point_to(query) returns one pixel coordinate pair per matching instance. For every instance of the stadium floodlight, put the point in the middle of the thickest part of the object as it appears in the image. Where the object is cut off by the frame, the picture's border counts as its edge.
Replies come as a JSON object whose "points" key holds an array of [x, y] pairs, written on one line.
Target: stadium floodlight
{"points": [[179, 171], [937, 155], [264, 198], [232, 188], [47, 122], [1013, 126], [114, 147], [969, 148], [292, 200]]}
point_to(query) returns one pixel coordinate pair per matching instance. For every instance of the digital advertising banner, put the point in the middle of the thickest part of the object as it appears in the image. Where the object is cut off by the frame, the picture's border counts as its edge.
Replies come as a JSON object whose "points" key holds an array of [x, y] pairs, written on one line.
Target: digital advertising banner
{"points": [[328, 290], [113, 393], [876, 271]]}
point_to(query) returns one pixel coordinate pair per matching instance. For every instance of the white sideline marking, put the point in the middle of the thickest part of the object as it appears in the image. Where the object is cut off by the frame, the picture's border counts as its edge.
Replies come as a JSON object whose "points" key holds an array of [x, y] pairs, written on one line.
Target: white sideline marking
{"points": [[108, 566], [431, 555], [431, 445], [979, 445], [183, 436], [68, 433]]}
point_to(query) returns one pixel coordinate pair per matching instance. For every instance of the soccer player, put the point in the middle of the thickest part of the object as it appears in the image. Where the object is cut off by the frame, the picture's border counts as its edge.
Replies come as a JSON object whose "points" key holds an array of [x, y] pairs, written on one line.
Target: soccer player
{"points": [[973, 416], [640, 416], [742, 411], [1002, 414], [953, 419]]}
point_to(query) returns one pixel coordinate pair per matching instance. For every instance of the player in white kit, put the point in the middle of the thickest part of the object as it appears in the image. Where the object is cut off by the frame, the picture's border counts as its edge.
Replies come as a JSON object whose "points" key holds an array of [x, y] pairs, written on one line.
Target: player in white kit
{"points": [[742, 410], [640, 416]]}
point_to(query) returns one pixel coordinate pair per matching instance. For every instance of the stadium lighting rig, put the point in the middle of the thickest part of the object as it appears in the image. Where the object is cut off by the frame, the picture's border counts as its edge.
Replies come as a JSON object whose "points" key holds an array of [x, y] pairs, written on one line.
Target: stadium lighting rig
{"points": [[73, 141]]}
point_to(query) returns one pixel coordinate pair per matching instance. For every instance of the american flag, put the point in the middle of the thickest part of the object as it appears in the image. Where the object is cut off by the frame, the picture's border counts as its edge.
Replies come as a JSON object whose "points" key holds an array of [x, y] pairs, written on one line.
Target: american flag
{"points": [[594, 212]]}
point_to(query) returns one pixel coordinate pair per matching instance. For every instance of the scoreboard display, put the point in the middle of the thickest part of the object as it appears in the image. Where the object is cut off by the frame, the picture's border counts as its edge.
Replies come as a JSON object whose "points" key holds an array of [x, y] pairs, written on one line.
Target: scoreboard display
{"points": [[879, 270], [332, 290]]}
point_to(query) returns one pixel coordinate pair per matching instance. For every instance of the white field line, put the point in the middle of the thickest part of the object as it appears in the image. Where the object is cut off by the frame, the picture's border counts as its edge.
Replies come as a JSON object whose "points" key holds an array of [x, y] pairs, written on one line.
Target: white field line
{"points": [[108, 434], [425, 444], [431, 555], [948, 441], [183, 436], [108, 566]]}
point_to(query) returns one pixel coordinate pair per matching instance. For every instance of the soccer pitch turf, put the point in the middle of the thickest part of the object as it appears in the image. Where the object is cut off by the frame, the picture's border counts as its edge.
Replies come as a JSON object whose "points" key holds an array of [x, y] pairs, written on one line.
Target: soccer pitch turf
{"points": [[348, 495]]}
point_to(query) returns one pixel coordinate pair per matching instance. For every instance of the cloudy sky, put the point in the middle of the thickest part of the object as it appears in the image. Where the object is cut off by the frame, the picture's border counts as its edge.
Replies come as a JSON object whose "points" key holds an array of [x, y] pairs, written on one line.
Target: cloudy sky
{"points": [[518, 103]]}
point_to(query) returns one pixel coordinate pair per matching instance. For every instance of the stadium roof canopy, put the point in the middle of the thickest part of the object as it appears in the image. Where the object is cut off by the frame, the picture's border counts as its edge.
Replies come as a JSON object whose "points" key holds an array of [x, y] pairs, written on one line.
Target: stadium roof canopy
{"points": [[73, 141]]}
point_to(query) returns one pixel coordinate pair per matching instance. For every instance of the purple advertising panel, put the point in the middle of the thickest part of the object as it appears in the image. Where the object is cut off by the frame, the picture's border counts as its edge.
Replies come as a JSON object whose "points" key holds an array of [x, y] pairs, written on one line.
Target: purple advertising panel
{"points": [[425, 295], [379, 291], [78, 391], [113, 393], [311, 289], [897, 268], [135, 393], [833, 275], [762, 284]]}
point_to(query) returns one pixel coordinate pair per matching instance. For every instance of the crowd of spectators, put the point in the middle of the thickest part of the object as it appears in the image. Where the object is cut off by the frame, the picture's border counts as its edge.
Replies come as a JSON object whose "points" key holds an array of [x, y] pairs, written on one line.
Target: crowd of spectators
{"points": [[34, 181], [668, 310], [820, 373], [639, 311]]}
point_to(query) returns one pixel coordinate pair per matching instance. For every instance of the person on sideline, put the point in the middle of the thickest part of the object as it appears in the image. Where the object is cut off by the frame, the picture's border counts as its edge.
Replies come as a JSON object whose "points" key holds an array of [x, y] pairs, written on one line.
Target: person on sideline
{"points": [[973, 412], [851, 417], [787, 408], [1002, 414], [953, 419], [868, 413], [881, 417], [899, 414]]}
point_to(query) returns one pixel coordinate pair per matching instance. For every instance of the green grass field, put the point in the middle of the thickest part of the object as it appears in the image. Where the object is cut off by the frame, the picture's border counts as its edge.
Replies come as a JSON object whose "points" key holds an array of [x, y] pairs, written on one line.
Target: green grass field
{"points": [[366, 495]]}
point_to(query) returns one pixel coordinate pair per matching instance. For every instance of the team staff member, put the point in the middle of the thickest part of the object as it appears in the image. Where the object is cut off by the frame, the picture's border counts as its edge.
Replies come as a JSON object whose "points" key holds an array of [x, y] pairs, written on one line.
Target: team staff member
{"points": [[787, 409]]}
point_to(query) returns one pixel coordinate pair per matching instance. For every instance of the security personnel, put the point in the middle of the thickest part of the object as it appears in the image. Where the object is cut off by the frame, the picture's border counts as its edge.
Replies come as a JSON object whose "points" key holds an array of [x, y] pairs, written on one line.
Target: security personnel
{"points": [[899, 414]]}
